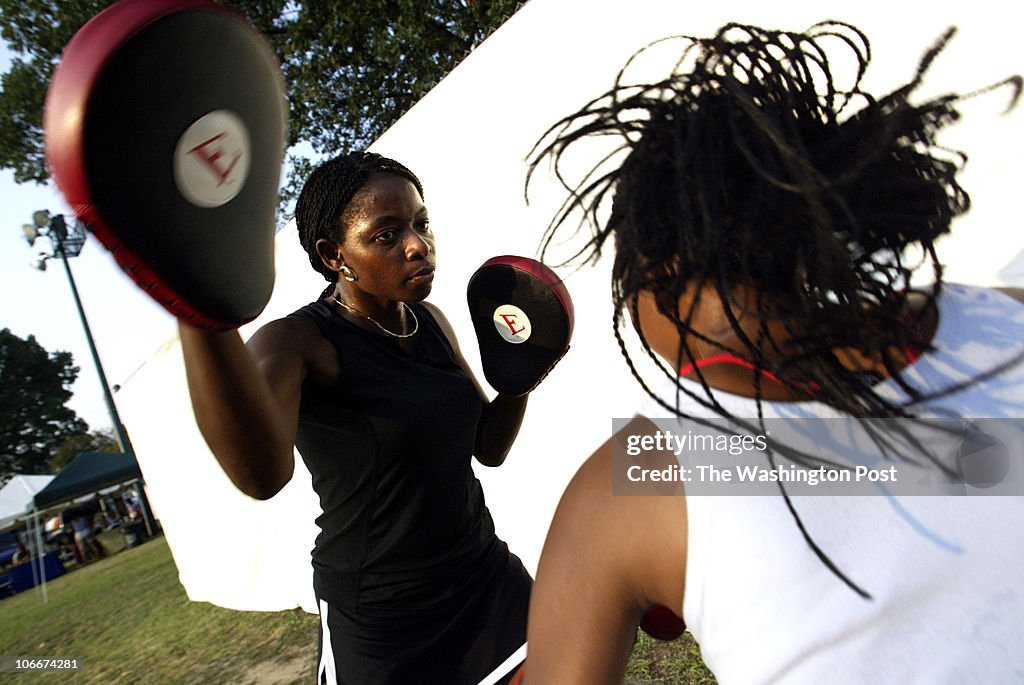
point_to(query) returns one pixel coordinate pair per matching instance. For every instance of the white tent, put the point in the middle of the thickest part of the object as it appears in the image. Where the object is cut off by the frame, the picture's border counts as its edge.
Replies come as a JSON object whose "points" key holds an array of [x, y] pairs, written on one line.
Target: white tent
{"points": [[16, 497], [467, 141], [1013, 272]]}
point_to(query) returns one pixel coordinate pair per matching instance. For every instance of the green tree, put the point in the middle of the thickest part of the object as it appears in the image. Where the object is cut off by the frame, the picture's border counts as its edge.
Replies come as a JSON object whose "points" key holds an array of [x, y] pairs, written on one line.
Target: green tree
{"points": [[102, 440], [34, 419], [352, 68]]}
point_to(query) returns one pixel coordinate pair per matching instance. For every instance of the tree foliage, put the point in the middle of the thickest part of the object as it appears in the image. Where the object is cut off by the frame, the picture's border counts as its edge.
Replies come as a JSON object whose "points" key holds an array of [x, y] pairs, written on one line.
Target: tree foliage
{"points": [[102, 440], [34, 419], [352, 68]]}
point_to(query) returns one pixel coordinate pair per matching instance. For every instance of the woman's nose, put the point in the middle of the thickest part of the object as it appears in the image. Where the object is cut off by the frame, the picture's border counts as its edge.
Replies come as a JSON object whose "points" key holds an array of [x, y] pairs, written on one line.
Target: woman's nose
{"points": [[416, 246]]}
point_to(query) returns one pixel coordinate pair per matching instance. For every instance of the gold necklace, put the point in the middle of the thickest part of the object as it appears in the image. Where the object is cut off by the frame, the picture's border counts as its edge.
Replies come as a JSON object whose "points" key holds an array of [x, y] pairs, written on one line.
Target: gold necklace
{"points": [[415, 321]]}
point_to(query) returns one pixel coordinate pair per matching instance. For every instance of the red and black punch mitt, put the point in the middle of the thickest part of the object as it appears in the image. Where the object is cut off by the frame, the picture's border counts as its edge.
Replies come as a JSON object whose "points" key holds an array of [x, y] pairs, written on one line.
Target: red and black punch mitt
{"points": [[662, 623], [165, 131], [523, 317]]}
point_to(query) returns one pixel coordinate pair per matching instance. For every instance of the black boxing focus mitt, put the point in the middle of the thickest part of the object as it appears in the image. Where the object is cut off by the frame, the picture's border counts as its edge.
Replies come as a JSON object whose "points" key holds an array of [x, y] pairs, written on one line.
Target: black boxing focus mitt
{"points": [[523, 318], [164, 128]]}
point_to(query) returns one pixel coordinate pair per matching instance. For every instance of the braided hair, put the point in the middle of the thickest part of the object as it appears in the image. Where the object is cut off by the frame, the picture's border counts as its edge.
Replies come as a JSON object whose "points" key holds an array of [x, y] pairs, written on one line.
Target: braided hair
{"points": [[328, 192], [753, 166], [745, 167]]}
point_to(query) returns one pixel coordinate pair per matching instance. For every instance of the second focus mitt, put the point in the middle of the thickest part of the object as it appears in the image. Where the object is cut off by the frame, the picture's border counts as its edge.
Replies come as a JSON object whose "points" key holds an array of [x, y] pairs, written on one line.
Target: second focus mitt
{"points": [[523, 317], [662, 623]]}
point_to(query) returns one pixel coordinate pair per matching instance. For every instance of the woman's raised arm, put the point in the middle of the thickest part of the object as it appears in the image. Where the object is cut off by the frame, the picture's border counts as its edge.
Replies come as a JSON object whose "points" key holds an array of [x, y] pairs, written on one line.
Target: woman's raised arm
{"points": [[246, 397]]}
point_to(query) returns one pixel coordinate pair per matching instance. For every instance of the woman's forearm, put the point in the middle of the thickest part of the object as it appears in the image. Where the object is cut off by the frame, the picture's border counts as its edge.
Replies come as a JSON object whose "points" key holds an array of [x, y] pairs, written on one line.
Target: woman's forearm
{"points": [[244, 424], [499, 426]]}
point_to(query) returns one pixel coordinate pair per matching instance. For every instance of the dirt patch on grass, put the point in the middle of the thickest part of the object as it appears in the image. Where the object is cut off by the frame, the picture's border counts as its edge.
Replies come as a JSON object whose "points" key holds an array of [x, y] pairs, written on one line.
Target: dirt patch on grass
{"points": [[298, 667]]}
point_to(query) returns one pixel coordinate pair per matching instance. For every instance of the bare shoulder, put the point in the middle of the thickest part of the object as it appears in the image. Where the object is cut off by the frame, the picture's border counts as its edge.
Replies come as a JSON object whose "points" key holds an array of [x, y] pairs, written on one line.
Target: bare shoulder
{"points": [[289, 334], [296, 342], [607, 558], [439, 317], [639, 533], [443, 323]]}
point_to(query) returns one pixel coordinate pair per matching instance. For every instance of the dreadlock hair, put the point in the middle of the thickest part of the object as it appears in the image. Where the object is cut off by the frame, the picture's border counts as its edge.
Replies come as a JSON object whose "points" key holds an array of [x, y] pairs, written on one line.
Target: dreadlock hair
{"points": [[751, 166], [329, 190], [746, 170]]}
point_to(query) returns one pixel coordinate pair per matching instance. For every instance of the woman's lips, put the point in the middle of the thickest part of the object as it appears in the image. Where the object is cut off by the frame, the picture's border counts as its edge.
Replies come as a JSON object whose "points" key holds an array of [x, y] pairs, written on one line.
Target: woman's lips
{"points": [[424, 275]]}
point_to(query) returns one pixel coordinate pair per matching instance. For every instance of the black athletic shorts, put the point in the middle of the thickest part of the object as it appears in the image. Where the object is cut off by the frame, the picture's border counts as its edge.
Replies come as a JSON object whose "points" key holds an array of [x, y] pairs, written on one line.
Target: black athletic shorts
{"points": [[478, 622]]}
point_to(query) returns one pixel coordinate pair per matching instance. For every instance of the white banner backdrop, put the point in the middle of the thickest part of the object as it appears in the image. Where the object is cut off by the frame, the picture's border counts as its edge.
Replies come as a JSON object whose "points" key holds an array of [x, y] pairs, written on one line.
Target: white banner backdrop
{"points": [[467, 141]]}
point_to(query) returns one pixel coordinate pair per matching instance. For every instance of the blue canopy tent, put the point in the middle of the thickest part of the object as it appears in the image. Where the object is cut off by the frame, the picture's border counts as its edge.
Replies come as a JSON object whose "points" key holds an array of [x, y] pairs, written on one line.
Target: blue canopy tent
{"points": [[88, 473]]}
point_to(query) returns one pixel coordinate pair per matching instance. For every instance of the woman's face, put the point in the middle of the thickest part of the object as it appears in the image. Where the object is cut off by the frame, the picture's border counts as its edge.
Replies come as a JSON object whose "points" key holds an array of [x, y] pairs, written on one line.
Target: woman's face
{"points": [[387, 242]]}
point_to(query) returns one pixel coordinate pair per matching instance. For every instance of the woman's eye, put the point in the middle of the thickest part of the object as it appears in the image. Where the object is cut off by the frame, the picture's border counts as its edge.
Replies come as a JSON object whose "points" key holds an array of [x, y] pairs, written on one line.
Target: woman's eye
{"points": [[423, 226], [387, 236]]}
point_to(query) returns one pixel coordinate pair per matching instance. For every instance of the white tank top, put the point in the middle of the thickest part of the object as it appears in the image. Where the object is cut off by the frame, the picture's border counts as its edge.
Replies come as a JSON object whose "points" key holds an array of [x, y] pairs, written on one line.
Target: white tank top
{"points": [[946, 573]]}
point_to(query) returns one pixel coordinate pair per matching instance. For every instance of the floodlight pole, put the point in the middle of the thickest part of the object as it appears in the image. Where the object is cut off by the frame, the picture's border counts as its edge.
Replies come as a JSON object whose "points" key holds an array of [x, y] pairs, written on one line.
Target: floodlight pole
{"points": [[119, 432], [67, 242], [58, 234]]}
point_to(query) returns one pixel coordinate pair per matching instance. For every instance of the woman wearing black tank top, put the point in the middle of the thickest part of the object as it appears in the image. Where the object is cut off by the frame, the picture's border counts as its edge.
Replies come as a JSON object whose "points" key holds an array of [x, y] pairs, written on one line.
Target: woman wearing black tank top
{"points": [[368, 382]]}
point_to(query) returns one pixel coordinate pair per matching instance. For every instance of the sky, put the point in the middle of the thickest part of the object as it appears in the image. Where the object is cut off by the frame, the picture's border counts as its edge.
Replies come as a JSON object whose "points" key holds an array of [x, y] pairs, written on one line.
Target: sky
{"points": [[126, 326]]}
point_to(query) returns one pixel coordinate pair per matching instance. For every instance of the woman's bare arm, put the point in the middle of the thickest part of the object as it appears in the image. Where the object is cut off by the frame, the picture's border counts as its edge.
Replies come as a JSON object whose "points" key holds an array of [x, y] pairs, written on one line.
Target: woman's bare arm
{"points": [[606, 560], [246, 397]]}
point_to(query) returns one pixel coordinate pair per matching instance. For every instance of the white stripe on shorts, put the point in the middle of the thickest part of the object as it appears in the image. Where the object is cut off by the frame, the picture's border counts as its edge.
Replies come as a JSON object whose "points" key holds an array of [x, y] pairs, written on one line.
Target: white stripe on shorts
{"points": [[506, 667], [326, 672]]}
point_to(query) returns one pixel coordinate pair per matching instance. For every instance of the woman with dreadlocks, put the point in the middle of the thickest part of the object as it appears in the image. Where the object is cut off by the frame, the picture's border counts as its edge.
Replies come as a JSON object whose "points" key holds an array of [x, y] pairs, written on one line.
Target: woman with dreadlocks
{"points": [[761, 217], [368, 383]]}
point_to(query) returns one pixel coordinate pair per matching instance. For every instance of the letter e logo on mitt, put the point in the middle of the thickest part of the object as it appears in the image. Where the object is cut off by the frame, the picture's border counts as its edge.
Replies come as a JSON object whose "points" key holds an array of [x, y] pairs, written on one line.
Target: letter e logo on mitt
{"points": [[523, 318], [164, 129]]}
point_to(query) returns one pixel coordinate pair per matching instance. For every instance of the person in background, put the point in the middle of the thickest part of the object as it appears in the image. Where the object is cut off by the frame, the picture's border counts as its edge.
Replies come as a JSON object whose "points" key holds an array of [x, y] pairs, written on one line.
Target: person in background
{"points": [[21, 555], [134, 512], [85, 538]]}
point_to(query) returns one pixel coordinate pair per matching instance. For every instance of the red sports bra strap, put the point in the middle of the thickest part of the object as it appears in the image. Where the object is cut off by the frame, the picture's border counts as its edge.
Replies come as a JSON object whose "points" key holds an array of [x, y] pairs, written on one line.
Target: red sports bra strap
{"points": [[725, 358]]}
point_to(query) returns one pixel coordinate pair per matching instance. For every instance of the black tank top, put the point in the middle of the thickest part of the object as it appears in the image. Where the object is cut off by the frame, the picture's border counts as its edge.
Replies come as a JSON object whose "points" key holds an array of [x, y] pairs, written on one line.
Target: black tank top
{"points": [[389, 448]]}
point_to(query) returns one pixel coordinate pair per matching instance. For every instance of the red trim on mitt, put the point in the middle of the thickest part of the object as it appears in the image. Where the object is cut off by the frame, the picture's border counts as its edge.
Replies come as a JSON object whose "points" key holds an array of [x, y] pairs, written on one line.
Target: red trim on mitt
{"points": [[83, 61], [74, 81], [544, 273]]}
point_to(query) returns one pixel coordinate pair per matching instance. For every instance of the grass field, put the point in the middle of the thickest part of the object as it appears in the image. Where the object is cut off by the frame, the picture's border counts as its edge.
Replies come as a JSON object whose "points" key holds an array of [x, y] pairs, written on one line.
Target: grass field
{"points": [[128, 618]]}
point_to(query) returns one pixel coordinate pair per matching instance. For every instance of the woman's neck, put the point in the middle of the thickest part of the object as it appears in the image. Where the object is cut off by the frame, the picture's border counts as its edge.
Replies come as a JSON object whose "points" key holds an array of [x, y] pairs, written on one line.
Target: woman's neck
{"points": [[737, 375]]}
